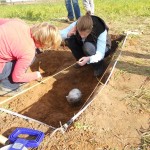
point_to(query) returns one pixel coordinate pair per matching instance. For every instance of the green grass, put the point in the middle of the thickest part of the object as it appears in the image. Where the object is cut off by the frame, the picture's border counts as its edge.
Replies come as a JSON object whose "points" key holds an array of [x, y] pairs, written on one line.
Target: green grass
{"points": [[110, 10], [32, 13], [123, 8]]}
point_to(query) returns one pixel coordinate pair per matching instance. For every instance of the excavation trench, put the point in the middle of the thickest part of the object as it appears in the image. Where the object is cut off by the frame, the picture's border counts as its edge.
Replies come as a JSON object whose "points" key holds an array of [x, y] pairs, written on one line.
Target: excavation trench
{"points": [[47, 102]]}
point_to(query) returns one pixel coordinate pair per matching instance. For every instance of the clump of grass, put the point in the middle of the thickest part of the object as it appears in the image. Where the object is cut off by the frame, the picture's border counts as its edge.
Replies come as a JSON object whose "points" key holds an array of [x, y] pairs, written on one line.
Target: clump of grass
{"points": [[81, 126], [118, 74], [139, 99], [145, 138], [145, 141]]}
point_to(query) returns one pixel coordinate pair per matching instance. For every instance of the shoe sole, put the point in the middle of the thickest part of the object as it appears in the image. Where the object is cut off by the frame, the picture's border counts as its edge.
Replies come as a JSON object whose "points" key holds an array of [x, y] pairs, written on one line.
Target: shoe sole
{"points": [[8, 93]]}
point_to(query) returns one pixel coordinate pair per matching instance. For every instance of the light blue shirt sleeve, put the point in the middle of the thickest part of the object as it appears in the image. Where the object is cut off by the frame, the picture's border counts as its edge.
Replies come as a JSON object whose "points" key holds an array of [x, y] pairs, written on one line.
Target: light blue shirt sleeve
{"points": [[101, 47], [65, 31]]}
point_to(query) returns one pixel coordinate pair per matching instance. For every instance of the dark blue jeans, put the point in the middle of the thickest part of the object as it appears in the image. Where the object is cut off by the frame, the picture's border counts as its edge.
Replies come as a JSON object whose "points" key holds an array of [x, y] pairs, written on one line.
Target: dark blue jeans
{"points": [[71, 9], [5, 77]]}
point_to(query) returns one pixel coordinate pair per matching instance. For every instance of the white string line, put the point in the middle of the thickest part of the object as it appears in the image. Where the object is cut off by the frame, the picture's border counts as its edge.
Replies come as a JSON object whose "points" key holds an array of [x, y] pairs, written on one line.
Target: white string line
{"points": [[62, 129], [84, 108], [88, 104], [124, 40], [24, 117], [56, 130], [4, 101], [99, 82], [28, 118]]}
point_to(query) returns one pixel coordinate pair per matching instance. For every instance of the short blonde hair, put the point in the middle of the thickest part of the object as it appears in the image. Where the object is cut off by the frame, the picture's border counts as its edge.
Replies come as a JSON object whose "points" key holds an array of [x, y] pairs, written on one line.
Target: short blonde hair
{"points": [[46, 35]]}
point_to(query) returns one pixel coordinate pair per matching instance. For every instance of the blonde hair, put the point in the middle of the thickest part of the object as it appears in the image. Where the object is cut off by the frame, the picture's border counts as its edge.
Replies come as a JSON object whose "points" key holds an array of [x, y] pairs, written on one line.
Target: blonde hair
{"points": [[46, 35], [85, 23]]}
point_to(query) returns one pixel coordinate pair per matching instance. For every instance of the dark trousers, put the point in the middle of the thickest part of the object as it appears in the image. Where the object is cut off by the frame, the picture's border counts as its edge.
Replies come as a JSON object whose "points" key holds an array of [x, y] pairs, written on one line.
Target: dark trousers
{"points": [[80, 49], [75, 46]]}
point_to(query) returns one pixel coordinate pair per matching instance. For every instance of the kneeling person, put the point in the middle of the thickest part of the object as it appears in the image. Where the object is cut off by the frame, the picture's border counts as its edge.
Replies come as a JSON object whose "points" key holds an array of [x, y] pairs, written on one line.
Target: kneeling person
{"points": [[18, 43], [88, 40]]}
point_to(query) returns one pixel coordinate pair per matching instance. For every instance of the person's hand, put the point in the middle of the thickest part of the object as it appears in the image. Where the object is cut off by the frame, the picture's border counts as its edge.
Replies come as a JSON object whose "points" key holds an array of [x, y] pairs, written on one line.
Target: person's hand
{"points": [[82, 61], [39, 76], [72, 32]]}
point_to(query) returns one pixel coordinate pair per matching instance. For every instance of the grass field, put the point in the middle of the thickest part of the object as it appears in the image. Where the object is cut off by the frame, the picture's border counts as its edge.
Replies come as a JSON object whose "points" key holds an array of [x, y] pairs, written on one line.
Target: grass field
{"points": [[114, 10]]}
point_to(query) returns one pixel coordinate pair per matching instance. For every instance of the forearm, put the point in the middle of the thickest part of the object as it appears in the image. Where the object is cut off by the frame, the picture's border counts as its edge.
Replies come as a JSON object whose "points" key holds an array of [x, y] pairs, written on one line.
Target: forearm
{"points": [[20, 74], [101, 47], [26, 77], [64, 32]]}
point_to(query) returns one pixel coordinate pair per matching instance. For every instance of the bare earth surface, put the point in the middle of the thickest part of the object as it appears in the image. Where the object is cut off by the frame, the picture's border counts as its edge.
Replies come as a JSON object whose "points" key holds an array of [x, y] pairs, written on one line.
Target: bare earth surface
{"points": [[116, 119]]}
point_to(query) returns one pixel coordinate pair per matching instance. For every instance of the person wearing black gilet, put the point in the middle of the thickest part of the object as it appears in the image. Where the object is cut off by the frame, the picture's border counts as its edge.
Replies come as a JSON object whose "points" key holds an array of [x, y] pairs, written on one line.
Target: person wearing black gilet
{"points": [[88, 40]]}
